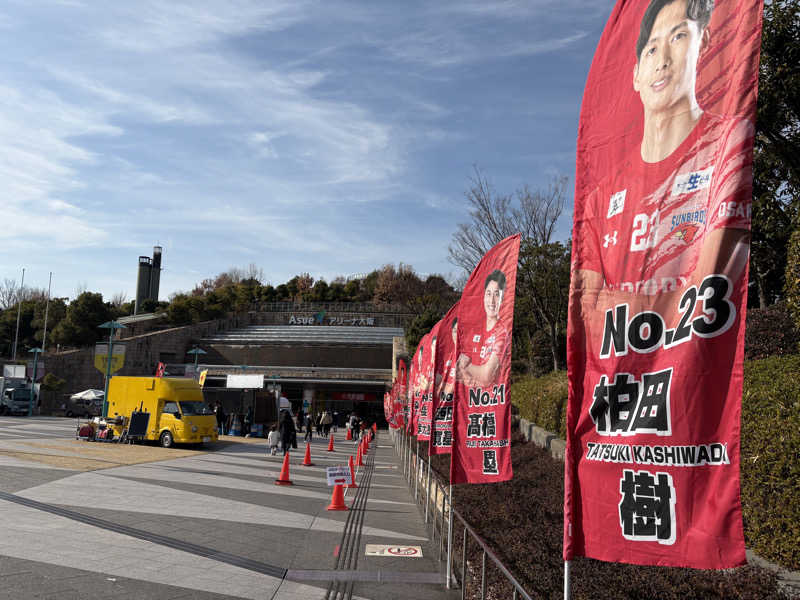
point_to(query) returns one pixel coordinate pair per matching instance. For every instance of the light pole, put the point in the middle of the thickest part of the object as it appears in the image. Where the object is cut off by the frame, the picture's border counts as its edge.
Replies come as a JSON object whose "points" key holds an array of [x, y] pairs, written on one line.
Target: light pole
{"points": [[197, 351], [111, 326], [36, 352]]}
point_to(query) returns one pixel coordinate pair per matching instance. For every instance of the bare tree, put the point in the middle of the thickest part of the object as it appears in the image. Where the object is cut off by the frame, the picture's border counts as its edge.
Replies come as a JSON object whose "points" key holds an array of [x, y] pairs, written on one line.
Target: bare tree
{"points": [[255, 273], [494, 217], [118, 299], [8, 293], [81, 287]]}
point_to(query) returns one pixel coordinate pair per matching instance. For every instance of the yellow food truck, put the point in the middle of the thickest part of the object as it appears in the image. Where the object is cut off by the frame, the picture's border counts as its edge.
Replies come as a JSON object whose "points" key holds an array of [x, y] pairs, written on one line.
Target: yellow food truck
{"points": [[178, 413]]}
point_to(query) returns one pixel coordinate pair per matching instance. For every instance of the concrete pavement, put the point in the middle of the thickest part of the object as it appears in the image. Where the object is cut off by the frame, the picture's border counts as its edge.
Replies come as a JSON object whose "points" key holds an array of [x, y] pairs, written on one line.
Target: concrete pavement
{"points": [[206, 525]]}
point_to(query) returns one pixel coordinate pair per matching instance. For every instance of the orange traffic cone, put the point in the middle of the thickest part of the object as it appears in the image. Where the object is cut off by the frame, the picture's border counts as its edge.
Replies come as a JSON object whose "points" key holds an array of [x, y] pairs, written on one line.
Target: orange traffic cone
{"points": [[359, 459], [349, 435], [283, 479], [337, 499], [366, 445], [374, 428], [330, 444], [307, 460], [352, 473]]}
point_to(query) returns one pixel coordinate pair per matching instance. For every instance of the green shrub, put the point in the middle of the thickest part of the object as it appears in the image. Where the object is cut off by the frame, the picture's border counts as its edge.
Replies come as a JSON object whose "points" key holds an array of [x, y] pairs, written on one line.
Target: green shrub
{"points": [[543, 401], [792, 285], [770, 473], [770, 456]]}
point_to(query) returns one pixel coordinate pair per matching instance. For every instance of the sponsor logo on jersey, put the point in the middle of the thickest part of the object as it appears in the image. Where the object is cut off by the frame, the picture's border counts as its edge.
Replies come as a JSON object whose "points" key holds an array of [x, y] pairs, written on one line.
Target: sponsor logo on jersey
{"points": [[610, 239], [476, 339], [616, 204], [689, 183], [686, 232], [697, 216]]}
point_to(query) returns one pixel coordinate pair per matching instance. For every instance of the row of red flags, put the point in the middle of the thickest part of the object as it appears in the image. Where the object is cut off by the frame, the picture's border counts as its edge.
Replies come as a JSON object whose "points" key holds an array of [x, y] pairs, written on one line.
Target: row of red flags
{"points": [[660, 246], [455, 395]]}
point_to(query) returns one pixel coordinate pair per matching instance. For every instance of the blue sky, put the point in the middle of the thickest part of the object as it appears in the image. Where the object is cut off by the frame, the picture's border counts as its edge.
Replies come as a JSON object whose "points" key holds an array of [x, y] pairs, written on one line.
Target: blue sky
{"points": [[328, 137]]}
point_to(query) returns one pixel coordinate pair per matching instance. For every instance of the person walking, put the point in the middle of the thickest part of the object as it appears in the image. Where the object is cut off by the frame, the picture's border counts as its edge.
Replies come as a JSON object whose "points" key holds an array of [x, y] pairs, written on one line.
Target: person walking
{"points": [[220, 412], [335, 421], [309, 428], [273, 439], [327, 419], [287, 430]]}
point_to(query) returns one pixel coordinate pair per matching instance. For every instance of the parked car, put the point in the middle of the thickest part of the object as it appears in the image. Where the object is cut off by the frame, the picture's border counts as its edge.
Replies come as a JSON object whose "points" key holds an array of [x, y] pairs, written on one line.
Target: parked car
{"points": [[83, 407]]}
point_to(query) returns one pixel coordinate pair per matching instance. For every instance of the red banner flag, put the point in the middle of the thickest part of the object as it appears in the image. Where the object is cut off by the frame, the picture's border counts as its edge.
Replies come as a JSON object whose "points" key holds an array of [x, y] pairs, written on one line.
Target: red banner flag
{"points": [[400, 396], [663, 198], [427, 386], [481, 450], [445, 381], [420, 381]]}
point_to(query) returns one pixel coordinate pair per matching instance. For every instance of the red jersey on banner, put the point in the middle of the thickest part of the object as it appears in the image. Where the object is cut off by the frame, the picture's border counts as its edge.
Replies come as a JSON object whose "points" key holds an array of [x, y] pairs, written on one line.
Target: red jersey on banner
{"points": [[420, 381], [444, 384], [426, 386], [656, 320], [481, 449]]}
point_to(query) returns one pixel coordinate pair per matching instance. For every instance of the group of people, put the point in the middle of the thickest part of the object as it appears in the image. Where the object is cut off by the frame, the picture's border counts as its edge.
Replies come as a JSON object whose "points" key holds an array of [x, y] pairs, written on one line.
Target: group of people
{"points": [[284, 435]]}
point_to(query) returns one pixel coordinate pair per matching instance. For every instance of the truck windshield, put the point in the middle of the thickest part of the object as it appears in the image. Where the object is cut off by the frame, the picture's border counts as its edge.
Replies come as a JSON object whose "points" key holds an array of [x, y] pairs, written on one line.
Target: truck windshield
{"points": [[194, 407]]}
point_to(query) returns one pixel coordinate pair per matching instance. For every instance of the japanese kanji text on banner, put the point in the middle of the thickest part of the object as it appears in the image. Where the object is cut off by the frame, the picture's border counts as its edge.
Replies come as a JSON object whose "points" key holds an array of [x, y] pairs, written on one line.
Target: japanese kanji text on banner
{"points": [[481, 450], [444, 384], [663, 198]]}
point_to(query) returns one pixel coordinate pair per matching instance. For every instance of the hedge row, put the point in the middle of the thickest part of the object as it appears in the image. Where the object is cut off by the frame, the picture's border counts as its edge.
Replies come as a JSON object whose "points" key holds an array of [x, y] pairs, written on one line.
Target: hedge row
{"points": [[543, 400], [770, 459], [770, 475]]}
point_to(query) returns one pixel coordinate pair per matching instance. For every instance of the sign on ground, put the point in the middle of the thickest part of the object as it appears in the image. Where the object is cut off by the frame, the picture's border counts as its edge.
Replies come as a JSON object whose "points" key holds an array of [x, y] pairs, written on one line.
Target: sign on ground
{"points": [[339, 476], [399, 551]]}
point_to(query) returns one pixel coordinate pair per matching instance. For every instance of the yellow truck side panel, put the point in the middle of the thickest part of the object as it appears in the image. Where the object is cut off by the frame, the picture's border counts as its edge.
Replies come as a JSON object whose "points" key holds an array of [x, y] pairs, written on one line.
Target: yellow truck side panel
{"points": [[163, 397]]}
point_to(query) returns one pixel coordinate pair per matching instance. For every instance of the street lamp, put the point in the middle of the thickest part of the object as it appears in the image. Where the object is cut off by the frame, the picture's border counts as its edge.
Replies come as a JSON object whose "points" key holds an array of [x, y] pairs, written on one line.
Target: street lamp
{"points": [[197, 351], [111, 326], [36, 352]]}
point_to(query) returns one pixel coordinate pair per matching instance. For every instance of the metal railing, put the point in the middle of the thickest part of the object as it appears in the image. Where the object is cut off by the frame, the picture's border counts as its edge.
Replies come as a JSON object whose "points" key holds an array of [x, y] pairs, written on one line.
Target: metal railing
{"points": [[441, 517]]}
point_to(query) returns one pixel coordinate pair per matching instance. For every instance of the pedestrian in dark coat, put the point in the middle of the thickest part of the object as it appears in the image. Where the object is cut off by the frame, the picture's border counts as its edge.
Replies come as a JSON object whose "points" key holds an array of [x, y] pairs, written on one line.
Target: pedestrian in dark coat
{"points": [[288, 431]]}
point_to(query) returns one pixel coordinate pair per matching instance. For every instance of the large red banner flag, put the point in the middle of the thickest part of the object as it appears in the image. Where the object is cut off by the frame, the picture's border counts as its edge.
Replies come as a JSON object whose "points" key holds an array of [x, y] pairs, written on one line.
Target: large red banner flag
{"points": [[663, 197], [426, 386], [444, 371], [420, 381], [481, 449]]}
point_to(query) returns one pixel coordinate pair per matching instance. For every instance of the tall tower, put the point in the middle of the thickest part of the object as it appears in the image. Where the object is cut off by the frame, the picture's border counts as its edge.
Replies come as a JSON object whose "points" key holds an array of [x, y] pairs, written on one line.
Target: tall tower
{"points": [[148, 279]]}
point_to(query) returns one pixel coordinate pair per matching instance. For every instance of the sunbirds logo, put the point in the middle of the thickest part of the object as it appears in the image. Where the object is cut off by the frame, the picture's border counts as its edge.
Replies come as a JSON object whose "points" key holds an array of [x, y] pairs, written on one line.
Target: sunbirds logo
{"points": [[320, 317]]}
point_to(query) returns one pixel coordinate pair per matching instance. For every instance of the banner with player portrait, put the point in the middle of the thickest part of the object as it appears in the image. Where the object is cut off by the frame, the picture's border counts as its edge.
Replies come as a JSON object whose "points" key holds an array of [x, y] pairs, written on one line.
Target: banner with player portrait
{"points": [[398, 396], [418, 383], [444, 375], [481, 449], [426, 386], [655, 344]]}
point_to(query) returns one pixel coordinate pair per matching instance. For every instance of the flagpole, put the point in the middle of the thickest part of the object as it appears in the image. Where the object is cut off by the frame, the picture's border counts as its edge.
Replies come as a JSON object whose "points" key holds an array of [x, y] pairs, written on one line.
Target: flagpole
{"points": [[19, 309], [46, 310], [450, 536], [416, 472], [567, 583]]}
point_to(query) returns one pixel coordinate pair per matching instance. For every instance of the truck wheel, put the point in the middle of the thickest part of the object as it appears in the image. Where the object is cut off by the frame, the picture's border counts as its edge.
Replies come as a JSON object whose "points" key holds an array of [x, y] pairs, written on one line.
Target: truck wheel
{"points": [[166, 439], [69, 414], [3, 410]]}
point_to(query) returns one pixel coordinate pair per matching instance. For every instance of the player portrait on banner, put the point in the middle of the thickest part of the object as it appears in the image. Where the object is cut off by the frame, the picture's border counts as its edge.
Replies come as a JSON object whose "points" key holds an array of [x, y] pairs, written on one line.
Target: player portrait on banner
{"points": [[481, 430], [490, 339], [444, 384], [678, 208], [661, 238]]}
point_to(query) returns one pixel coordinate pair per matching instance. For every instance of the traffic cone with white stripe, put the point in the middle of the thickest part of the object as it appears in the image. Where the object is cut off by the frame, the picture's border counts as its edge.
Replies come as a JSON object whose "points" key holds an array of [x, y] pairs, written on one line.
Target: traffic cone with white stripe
{"points": [[307, 459], [353, 483], [337, 499], [283, 478]]}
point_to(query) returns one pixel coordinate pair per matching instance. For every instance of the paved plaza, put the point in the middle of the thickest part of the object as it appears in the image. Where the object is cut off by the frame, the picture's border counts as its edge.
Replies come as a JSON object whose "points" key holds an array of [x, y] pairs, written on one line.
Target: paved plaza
{"points": [[93, 520]]}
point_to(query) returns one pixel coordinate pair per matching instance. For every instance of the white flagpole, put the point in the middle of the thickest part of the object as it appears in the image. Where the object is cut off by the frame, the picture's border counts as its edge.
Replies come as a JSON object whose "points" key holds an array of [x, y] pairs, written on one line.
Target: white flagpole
{"points": [[567, 585], [46, 310]]}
